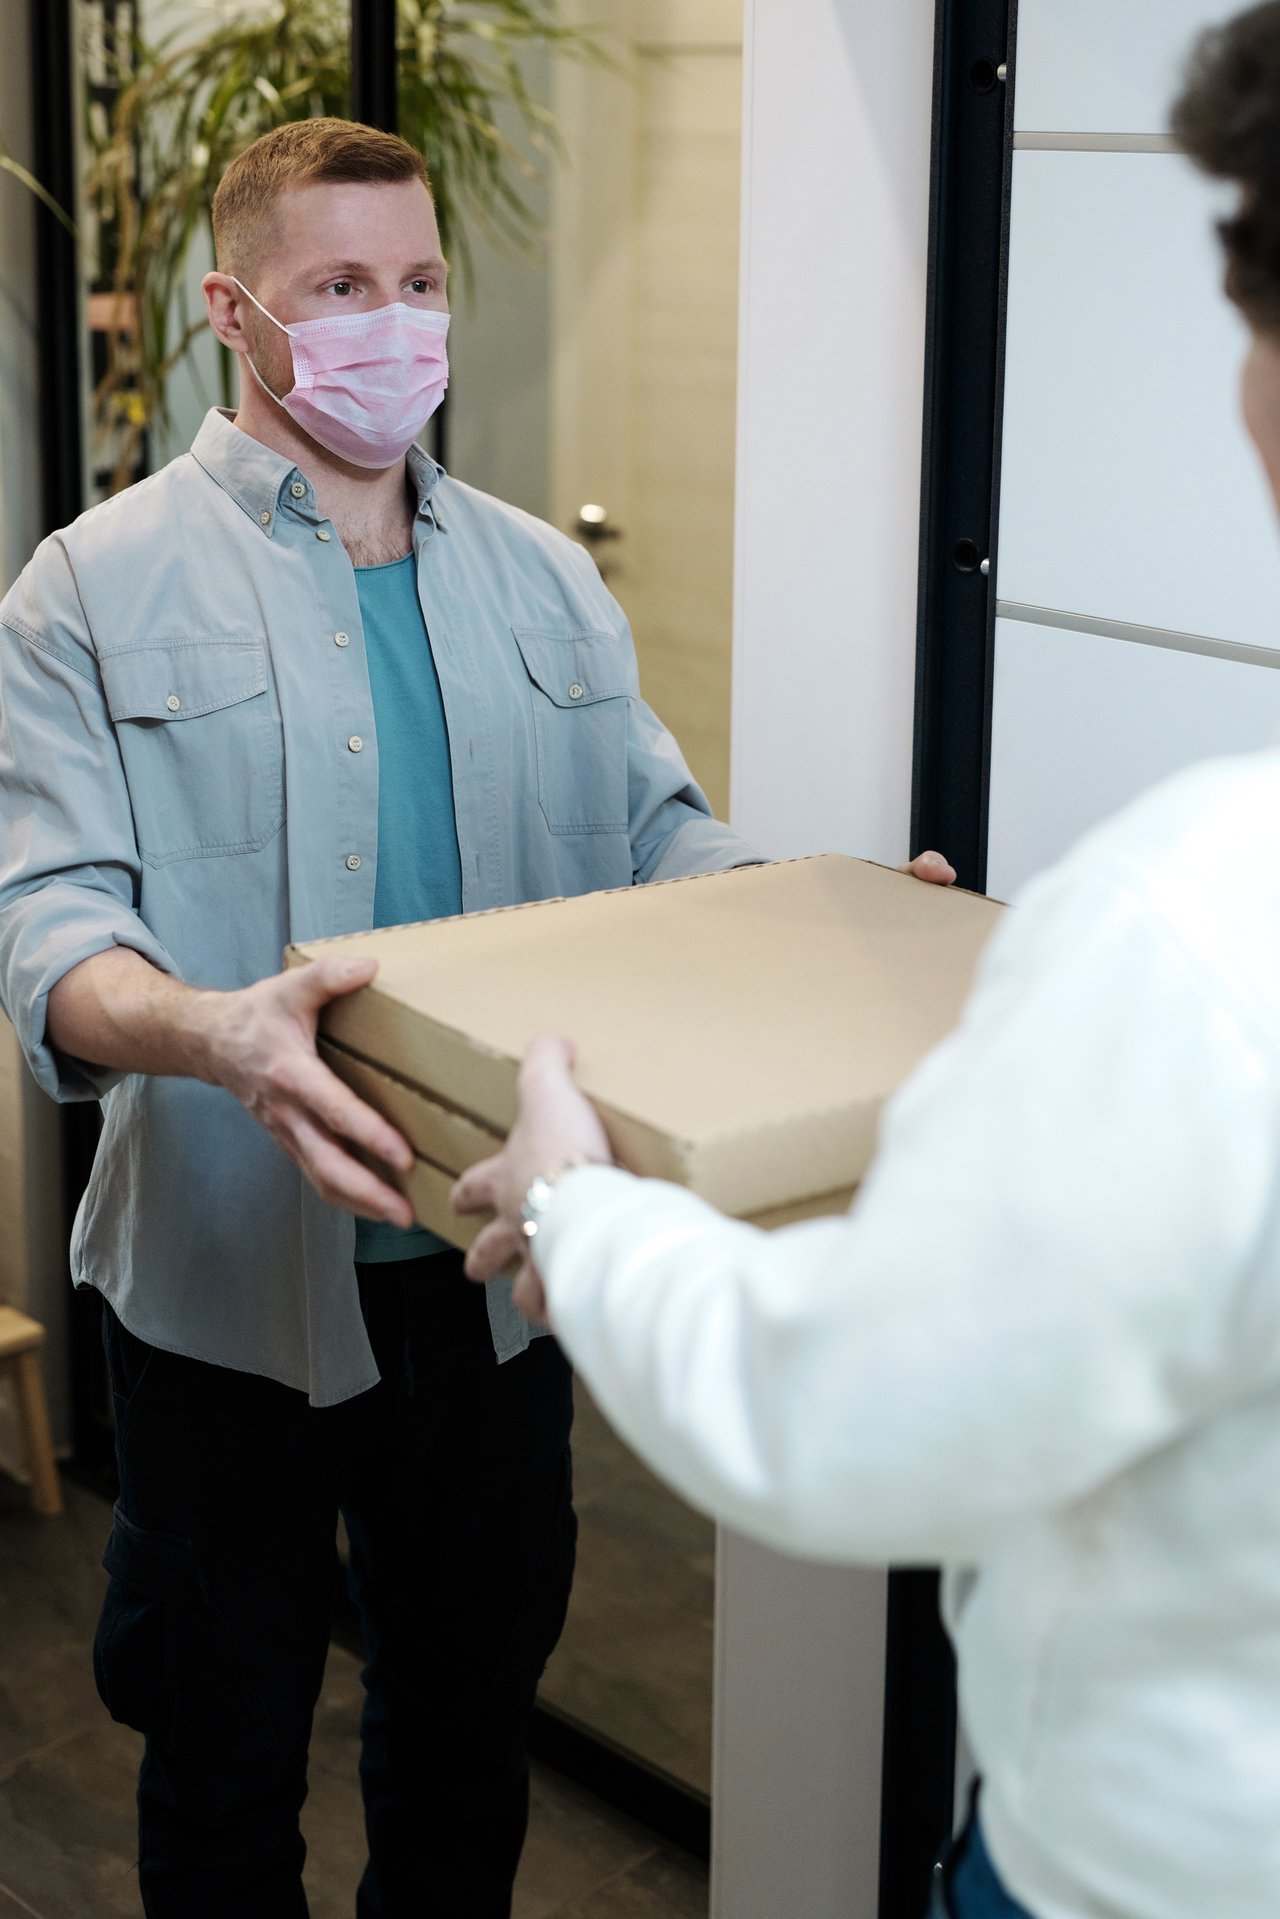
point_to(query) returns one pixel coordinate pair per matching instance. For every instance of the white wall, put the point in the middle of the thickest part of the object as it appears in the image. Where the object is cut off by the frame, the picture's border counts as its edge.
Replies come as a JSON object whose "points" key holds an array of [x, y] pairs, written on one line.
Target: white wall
{"points": [[838, 116], [837, 146]]}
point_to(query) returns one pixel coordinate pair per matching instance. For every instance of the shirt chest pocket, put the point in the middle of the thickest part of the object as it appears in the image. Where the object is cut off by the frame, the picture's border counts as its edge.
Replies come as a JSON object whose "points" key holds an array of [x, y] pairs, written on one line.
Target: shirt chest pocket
{"points": [[201, 743], [579, 691]]}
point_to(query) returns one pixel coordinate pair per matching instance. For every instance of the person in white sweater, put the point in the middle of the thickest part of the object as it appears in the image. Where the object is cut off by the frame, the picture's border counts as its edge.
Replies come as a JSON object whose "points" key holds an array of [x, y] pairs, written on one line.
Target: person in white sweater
{"points": [[1044, 1345]]}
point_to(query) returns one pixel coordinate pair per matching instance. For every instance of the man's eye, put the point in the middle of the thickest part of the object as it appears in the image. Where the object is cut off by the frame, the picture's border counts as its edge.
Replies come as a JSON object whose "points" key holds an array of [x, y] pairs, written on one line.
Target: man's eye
{"points": [[340, 286], [421, 286]]}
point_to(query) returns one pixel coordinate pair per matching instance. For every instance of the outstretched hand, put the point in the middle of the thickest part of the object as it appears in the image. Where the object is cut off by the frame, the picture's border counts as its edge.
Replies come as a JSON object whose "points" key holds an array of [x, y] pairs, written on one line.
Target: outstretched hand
{"points": [[261, 1045], [555, 1123]]}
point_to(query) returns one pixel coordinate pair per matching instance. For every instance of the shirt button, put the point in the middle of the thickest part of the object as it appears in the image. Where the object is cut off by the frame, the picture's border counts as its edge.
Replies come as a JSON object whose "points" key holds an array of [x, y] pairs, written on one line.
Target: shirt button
{"points": [[297, 489], [342, 639], [265, 517], [353, 862], [355, 743], [575, 691], [173, 703], [321, 533]]}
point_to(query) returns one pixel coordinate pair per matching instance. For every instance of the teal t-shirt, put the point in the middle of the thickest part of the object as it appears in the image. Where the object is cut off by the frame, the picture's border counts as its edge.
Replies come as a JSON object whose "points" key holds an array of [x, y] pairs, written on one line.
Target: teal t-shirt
{"points": [[419, 870]]}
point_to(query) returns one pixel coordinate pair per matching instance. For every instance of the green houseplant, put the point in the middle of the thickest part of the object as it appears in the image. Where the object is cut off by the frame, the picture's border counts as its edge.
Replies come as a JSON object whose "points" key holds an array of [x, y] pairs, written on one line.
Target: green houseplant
{"points": [[184, 108], [20, 173]]}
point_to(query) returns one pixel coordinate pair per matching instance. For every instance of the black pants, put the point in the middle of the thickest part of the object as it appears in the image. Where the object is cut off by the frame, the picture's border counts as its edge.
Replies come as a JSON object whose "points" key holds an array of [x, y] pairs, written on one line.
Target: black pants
{"points": [[453, 1475]]}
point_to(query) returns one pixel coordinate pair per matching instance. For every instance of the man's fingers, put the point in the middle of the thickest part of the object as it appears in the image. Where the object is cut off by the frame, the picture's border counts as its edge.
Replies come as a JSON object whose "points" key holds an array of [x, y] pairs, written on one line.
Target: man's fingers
{"points": [[933, 868], [495, 1248], [342, 1181], [316, 983], [341, 1112], [477, 1190]]}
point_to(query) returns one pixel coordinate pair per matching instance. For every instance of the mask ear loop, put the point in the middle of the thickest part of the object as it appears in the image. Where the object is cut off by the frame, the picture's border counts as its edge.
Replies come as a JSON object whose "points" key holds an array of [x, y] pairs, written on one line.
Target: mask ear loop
{"points": [[262, 383], [248, 356], [257, 302]]}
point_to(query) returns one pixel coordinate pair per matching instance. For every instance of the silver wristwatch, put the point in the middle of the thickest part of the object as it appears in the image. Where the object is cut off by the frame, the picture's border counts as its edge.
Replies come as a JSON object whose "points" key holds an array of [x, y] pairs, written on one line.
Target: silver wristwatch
{"points": [[542, 1190]]}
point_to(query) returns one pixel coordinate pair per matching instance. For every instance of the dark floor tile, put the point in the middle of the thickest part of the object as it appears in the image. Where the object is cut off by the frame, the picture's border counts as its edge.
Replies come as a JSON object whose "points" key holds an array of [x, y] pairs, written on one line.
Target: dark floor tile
{"points": [[65, 1551], [11, 1908], [666, 1885], [51, 1586], [67, 1826], [575, 1844]]}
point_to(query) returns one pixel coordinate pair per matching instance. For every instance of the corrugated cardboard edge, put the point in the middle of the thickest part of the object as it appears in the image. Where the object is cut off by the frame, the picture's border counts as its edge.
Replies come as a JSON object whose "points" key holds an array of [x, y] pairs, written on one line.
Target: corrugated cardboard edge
{"points": [[428, 1187], [301, 952], [453, 1140]]}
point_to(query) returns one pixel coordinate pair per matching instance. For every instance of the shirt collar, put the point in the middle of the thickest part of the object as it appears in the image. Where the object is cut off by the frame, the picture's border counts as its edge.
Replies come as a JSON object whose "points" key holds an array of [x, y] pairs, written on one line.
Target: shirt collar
{"points": [[260, 481]]}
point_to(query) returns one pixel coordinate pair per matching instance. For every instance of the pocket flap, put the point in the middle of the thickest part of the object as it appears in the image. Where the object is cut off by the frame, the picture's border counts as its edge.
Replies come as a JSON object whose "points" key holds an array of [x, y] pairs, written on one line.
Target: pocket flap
{"points": [[574, 667], [158, 1564], [181, 681]]}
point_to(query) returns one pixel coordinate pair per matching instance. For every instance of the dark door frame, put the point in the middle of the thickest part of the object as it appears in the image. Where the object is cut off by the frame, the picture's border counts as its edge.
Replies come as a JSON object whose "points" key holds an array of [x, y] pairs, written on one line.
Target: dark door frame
{"points": [[61, 440], [974, 55], [964, 388]]}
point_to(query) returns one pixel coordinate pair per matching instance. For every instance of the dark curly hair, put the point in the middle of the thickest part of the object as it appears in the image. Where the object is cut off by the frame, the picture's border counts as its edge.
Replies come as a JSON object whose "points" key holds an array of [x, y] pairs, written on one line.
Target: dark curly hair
{"points": [[1228, 121]]}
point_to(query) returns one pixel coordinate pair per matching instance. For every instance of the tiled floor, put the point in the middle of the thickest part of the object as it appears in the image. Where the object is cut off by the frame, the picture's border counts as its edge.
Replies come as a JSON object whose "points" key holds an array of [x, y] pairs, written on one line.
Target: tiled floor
{"points": [[66, 1772]]}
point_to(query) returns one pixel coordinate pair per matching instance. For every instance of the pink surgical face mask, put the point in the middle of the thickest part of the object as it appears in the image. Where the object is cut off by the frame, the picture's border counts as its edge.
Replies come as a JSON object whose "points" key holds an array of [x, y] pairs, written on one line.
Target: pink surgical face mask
{"points": [[364, 384]]}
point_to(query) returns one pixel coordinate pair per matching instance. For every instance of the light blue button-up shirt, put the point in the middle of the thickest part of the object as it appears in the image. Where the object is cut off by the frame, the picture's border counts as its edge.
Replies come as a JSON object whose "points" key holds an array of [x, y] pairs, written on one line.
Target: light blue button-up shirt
{"points": [[180, 673]]}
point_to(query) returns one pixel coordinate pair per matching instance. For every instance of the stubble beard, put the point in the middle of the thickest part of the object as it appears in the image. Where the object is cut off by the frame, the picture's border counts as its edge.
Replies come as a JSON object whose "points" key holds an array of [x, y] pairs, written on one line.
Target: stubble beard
{"points": [[271, 353]]}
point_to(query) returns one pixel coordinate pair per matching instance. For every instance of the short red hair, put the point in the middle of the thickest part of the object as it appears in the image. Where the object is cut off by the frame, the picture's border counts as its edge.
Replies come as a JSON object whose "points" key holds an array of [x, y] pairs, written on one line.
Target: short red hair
{"points": [[297, 154]]}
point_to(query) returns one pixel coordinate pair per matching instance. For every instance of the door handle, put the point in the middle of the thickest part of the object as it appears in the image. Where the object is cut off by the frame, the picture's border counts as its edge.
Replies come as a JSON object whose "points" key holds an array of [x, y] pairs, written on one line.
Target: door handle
{"points": [[592, 525]]}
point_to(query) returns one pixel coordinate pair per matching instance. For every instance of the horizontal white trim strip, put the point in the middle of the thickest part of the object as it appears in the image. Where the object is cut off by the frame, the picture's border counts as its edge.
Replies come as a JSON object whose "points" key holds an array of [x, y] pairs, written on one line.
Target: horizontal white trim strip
{"points": [[1096, 142], [1139, 635]]}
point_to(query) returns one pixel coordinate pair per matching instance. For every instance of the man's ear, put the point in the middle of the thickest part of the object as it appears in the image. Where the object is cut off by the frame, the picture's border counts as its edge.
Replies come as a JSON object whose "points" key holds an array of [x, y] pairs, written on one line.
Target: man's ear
{"points": [[223, 300]]}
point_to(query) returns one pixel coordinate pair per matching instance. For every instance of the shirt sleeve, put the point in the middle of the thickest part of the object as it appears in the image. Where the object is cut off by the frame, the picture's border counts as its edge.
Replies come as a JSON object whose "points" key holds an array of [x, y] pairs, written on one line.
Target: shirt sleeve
{"points": [[70, 873], [1061, 1260], [674, 834]]}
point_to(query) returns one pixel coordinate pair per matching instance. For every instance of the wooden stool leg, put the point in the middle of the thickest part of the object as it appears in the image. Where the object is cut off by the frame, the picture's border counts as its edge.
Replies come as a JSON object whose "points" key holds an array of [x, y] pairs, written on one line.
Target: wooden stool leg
{"points": [[46, 1495]]}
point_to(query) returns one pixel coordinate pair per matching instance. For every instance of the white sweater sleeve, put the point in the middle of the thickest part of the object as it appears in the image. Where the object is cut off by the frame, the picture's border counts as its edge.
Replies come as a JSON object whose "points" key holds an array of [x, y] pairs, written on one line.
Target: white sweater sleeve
{"points": [[1054, 1266]]}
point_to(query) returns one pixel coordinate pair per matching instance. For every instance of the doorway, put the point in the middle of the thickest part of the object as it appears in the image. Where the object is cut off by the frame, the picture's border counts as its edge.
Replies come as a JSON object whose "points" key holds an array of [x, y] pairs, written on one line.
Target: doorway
{"points": [[643, 288]]}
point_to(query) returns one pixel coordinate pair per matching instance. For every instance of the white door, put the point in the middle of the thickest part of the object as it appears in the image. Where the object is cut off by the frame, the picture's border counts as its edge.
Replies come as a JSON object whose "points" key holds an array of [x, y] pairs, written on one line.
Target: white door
{"points": [[1138, 588]]}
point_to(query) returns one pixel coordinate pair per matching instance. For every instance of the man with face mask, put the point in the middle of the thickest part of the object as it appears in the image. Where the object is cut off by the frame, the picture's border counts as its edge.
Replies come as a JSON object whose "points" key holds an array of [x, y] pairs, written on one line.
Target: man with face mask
{"points": [[301, 683]]}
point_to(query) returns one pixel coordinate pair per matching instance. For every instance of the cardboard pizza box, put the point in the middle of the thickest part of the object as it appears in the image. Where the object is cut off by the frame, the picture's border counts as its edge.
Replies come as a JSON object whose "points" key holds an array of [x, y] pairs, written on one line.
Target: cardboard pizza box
{"points": [[739, 1033]]}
